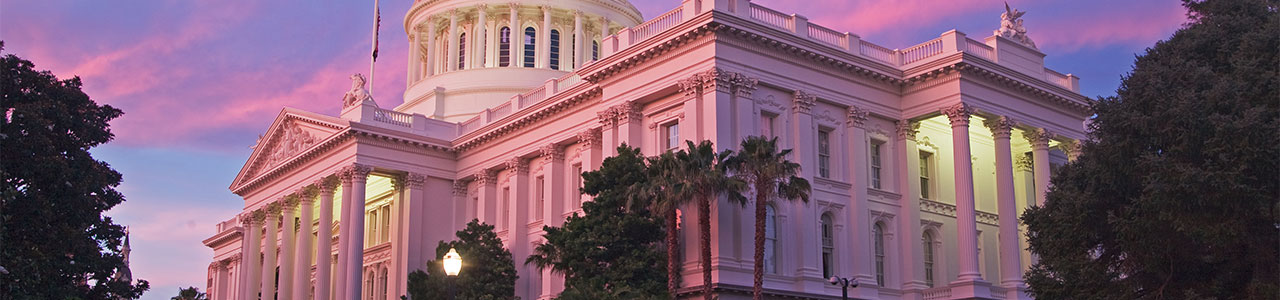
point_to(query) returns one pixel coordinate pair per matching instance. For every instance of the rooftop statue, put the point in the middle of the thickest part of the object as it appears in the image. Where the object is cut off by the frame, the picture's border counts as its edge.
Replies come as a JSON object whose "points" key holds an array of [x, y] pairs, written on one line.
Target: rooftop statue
{"points": [[1011, 26], [358, 93]]}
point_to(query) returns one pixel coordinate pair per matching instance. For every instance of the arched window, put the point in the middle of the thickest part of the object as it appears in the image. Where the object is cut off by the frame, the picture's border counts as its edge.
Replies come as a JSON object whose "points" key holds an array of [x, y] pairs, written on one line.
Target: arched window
{"points": [[504, 47], [877, 233], [530, 46], [462, 51], [770, 240], [828, 246], [595, 50], [555, 49], [382, 284], [368, 285], [928, 258]]}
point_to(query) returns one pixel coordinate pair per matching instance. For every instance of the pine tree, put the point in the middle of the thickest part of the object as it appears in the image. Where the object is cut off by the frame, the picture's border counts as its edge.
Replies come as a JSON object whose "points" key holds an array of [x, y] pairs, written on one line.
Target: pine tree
{"points": [[1177, 192], [54, 241]]}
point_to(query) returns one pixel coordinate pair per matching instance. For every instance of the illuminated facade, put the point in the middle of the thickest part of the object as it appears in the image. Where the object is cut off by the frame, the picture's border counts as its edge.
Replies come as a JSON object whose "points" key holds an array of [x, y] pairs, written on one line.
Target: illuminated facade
{"points": [[498, 120]]}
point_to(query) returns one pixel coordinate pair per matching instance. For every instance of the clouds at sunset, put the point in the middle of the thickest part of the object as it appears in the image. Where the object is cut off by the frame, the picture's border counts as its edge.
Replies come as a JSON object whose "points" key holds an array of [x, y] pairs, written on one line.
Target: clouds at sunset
{"points": [[200, 80]]}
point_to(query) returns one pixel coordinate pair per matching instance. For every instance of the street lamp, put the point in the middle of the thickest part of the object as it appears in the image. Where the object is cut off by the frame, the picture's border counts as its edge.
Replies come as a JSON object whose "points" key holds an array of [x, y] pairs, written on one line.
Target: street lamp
{"points": [[845, 284], [452, 264]]}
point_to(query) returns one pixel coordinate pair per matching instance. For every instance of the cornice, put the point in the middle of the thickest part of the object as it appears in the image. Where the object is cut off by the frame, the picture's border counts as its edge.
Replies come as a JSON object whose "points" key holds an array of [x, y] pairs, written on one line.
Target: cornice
{"points": [[526, 116], [646, 50]]}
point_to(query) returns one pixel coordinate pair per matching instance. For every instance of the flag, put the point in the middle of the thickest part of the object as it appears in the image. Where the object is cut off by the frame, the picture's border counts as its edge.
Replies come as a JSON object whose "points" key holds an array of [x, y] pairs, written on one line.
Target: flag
{"points": [[378, 21]]}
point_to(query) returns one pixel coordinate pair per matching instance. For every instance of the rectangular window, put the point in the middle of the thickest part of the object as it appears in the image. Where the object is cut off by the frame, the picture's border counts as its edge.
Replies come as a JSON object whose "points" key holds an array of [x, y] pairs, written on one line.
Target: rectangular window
{"points": [[530, 46], [925, 191], [766, 125], [555, 49], [538, 212], [824, 154], [875, 164], [828, 246], [576, 179], [673, 136], [386, 223], [506, 208]]}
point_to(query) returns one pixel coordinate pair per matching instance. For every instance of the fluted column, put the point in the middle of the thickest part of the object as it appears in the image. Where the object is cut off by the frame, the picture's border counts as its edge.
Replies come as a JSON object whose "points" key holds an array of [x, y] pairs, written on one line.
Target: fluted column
{"points": [[415, 37], [269, 241], [1010, 255], [324, 236], [252, 260], [302, 245], [517, 36], [357, 174], [1039, 139], [481, 39], [966, 221], [544, 39], [430, 47], [289, 211], [577, 39], [344, 238], [452, 51]]}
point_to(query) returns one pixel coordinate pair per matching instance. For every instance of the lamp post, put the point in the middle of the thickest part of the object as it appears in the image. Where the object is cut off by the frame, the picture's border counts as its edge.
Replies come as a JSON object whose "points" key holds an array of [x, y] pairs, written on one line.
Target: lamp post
{"points": [[845, 284], [452, 264]]}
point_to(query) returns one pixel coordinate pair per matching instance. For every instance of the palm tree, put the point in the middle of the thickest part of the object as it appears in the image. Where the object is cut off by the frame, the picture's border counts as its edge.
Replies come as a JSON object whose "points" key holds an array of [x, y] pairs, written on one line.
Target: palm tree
{"points": [[771, 175], [702, 176], [659, 194], [189, 293]]}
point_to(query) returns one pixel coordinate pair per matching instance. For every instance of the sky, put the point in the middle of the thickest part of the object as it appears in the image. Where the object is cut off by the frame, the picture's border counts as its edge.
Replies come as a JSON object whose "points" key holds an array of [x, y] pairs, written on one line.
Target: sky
{"points": [[199, 80]]}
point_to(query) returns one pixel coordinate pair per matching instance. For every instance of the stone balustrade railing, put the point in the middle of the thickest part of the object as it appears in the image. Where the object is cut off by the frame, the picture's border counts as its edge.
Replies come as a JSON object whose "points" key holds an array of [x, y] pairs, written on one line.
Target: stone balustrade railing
{"points": [[520, 102], [937, 293]]}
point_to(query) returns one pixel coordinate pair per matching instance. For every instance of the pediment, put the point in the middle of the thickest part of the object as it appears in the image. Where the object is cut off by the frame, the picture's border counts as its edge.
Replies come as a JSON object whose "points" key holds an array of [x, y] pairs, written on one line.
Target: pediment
{"points": [[292, 133]]}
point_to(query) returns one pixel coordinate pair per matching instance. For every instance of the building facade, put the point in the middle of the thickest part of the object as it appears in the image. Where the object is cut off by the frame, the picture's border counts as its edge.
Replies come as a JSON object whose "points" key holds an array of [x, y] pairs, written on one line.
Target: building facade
{"points": [[921, 158]]}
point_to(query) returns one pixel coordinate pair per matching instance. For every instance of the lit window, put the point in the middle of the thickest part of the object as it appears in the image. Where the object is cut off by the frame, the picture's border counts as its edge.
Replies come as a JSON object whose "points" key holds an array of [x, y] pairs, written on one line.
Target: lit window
{"points": [[875, 164], [828, 246], [925, 191], [462, 51], [555, 49], [928, 258], [770, 240], [504, 47], [530, 46], [673, 135], [824, 154], [877, 233]]}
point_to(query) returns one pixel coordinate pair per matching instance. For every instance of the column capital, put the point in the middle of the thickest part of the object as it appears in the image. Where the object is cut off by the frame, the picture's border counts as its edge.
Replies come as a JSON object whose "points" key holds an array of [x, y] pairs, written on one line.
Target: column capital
{"points": [[958, 113], [552, 153], [326, 184], [690, 86], [1072, 148], [803, 102], [258, 217], [1039, 137], [355, 171], [518, 165], [627, 111], [289, 201], [1000, 126], [857, 117], [307, 194], [486, 177], [589, 137], [272, 209], [907, 129], [607, 117], [246, 218], [459, 188], [1022, 162]]}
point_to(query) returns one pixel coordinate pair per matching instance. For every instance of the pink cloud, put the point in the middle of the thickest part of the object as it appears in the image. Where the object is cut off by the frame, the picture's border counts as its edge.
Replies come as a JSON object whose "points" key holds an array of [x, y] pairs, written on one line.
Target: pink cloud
{"points": [[1135, 26]]}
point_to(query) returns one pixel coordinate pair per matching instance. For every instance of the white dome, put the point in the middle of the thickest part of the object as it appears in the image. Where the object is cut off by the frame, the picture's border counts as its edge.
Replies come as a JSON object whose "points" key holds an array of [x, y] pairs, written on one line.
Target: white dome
{"points": [[458, 68]]}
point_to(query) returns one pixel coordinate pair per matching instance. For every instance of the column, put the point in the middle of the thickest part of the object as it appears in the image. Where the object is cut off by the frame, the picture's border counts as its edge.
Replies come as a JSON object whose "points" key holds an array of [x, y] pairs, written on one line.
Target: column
{"points": [[802, 137], [1007, 206], [357, 174], [604, 29], [415, 37], [860, 244], [452, 63], [344, 222], [252, 262], [553, 194], [430, 46], [966, 222], [324, 236], [1072, 148], [487, 200], [481, 40], [302, 246], [629, 129], [269, 241], [544, 39], [577, 39], [1039, 139], [419, 231], [907, 162], [608, 131], [592, 155], [517, 36], [289, 211], [518, 220]]}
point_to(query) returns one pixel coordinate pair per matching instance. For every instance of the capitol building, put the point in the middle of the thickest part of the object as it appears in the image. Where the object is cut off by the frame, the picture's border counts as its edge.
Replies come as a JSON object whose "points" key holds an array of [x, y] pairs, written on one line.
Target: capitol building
{"points": [[921, 158]]}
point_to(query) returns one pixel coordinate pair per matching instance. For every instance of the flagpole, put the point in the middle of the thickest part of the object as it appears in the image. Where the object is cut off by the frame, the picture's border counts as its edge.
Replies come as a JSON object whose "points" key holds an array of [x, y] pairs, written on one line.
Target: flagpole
{"points": [[374, 57]]}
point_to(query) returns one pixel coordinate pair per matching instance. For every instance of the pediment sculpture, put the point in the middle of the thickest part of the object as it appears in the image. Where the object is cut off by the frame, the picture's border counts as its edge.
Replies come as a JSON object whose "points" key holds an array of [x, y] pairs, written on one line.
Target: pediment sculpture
{"points": [[291, 140], [1011, 26]]}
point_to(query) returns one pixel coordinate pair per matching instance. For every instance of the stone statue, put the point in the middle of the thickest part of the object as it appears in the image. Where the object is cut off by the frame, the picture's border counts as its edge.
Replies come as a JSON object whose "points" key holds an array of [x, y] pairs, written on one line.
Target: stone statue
{"points": [[1011, 26], [358, 94]]}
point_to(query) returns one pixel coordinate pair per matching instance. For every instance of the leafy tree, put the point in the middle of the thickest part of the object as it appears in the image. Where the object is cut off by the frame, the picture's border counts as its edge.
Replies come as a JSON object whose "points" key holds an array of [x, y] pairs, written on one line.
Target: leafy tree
{"points": [[701, 175], [1176, 194], [488, 272], [54, 241], [767, 171], [611, 252], [190, 293]]}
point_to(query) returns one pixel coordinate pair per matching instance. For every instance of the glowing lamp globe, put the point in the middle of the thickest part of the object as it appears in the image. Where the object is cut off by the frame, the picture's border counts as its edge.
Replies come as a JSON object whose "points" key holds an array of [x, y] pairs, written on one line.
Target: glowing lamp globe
{"points": [[452, 262]]}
